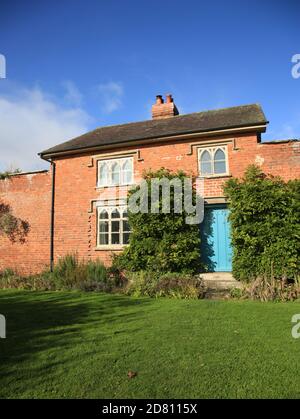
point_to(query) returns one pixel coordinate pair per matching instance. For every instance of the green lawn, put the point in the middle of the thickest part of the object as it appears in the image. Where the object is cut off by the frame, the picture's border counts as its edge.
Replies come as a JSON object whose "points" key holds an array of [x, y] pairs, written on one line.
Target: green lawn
{"points": [[72, 344]]}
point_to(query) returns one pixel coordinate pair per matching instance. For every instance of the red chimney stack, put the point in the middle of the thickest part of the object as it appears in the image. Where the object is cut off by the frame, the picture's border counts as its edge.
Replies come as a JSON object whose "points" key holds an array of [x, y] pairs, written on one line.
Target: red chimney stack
{"points": [[163, 109]]}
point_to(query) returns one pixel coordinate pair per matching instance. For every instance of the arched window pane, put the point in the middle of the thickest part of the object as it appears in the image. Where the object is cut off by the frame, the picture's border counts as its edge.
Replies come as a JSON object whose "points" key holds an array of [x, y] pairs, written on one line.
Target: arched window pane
{"points": [[115, 214], [103, 178], [127, 172], [205, 163], [219, 155], [219, 162], [103, 214], [205, 156], [115, 174]]}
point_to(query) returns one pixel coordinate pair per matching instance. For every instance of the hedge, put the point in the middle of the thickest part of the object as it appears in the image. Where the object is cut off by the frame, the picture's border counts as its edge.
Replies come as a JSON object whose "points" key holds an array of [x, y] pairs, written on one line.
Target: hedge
{"points": [[265, 229]]}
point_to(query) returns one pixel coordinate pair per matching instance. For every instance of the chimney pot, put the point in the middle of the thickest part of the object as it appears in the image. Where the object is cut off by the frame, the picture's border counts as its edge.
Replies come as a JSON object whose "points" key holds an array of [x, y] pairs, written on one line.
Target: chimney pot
{"points": [[159, 99], [169, 98]]}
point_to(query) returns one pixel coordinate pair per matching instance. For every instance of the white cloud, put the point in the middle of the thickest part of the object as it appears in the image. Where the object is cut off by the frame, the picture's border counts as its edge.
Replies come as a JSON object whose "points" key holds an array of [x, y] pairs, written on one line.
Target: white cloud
{"points": [[73, 95], [31, 121], [111, 94]]}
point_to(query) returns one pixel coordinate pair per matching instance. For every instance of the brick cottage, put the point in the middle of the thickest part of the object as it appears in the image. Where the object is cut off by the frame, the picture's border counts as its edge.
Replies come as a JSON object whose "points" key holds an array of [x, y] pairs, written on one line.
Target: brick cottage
{"points": [[70, 208]]}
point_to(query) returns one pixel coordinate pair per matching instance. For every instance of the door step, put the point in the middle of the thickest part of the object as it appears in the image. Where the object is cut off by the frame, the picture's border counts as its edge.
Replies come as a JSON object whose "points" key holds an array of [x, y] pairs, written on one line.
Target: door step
{"points": [[217, 294], [219, 284]]}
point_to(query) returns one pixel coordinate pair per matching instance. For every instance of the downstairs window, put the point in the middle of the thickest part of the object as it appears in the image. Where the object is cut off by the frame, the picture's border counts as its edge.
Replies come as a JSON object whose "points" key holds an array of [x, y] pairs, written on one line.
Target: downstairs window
{"points": [[113, 227]]}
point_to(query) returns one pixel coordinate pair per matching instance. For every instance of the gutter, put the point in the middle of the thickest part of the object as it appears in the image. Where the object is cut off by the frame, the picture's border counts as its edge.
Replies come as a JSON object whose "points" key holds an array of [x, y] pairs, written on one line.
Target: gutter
{"points": [[53, 166]]}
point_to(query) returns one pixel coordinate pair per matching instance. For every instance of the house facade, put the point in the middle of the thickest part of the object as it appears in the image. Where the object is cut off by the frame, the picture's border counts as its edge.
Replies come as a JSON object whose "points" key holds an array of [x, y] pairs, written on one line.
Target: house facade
{"points": [[79, 205]]}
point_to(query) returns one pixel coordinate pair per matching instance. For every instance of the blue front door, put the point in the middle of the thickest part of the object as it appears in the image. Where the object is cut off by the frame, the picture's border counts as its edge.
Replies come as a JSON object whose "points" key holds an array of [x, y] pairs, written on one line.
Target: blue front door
{"points": [[215, 239]]}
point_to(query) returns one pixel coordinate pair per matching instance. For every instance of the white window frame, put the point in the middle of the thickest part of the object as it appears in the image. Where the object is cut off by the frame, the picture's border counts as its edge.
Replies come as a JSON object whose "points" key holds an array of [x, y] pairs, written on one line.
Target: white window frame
{"points": [[109, 163], [109, 210], [212, 151]]}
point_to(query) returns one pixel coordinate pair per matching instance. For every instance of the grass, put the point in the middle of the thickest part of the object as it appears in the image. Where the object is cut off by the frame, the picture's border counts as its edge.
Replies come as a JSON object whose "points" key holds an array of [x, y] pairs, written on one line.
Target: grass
{"points": [[81, 345]]}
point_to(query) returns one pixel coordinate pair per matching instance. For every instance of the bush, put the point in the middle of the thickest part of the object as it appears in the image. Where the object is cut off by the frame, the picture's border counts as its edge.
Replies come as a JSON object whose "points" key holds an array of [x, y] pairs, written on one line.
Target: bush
{"points": [[8, 173], [140, 283], [264, 289], [68, 273], [176, 285], [11, 280], [162, 242], [12, 227], [265, 230]]}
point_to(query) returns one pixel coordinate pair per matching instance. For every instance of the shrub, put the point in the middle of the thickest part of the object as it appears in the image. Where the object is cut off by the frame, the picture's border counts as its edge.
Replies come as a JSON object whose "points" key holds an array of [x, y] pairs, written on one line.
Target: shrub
{"points": [[140, 283], [6, 174], [68, 273], [174, 285], [11, 226], [180, 286], [11, 280], [264, 289], [264, 215], [162, 242]]}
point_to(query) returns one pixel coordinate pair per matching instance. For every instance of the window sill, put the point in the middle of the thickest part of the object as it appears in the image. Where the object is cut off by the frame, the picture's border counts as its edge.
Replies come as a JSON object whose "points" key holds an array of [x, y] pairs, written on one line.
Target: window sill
{"points": [[111, 247], [215, 176], [114, 186]]}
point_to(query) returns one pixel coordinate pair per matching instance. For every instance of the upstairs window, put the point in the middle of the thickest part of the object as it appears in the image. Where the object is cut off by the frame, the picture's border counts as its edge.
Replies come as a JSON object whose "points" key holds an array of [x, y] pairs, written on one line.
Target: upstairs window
{"points": [[115, 172], [103, 174], [213, 161], [219, 162]]}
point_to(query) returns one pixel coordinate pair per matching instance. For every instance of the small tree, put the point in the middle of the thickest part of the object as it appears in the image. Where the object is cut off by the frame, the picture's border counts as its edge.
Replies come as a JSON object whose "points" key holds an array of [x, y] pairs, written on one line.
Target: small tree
{"points": [[264, 215], [8, 173], [162, 242], [11, 226]]}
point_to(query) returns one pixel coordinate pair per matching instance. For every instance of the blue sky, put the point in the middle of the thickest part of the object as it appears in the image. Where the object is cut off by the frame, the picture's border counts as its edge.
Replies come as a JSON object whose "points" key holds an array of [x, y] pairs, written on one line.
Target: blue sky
{"points": [[76, 65]]}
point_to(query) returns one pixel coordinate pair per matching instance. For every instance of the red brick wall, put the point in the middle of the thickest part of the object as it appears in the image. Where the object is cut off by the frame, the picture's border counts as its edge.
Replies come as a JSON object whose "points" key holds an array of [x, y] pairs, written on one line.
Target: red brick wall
{"points": [[75, 224], [29, 197]]}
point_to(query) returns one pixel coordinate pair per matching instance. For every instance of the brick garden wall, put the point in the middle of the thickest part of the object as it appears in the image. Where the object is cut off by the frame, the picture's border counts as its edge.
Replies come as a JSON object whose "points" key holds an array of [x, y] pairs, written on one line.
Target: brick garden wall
{"points": [[29, 197]]}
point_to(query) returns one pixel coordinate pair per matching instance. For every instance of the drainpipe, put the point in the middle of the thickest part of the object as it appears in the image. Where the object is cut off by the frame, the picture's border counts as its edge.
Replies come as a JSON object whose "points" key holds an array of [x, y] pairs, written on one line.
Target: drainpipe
{"points": [[53, 166]]}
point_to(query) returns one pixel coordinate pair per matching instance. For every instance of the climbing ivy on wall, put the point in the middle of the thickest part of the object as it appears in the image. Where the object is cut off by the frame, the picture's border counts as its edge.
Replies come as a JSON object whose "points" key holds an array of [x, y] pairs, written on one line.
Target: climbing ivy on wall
{"points": [[265, 229]]}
